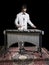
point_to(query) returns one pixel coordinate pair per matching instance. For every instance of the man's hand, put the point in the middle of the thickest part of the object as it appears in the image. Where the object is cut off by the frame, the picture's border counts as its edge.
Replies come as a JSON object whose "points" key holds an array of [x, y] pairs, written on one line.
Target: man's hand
{"points": [[34, 26], [19, 26]]}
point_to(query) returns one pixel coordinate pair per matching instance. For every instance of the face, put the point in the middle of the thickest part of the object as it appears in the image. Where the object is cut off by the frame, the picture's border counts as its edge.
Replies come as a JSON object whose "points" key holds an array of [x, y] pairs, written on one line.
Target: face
{"points": [[24, 10]]}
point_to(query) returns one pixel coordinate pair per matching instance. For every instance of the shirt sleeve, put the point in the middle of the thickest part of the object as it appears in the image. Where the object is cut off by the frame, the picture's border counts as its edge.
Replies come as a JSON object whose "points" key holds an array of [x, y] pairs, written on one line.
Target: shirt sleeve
{"points": [[16, 20], [29, 21]]}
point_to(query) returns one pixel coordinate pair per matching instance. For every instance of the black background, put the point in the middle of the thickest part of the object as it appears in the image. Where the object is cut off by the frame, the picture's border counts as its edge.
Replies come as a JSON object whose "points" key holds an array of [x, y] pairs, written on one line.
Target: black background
{"points": [[38, 11]]}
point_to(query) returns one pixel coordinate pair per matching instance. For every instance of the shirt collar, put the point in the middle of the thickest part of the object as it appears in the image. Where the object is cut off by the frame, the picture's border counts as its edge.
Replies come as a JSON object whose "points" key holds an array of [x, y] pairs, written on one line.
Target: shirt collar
{"points": [[23, 13]]}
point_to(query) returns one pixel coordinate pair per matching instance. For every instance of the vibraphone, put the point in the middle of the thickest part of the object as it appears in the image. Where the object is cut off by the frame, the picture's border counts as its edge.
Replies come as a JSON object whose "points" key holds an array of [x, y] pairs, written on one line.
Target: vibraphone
{"points": [[33, 36]]}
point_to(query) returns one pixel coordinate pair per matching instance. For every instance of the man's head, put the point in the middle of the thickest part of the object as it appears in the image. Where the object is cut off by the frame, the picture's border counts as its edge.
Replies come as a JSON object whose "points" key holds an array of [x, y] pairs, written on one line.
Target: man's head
{"points": [[24, 8]]}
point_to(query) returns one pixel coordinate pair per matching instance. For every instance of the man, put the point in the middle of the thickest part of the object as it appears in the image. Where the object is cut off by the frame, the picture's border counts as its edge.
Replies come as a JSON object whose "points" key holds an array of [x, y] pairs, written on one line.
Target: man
{"points": [[21, 22], [22, 19]]}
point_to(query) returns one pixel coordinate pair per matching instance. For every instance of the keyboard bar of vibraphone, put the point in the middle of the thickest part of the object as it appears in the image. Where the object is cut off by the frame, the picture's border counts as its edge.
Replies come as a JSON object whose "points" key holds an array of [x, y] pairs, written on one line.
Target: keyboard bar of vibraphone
{"points": [[28, 30]]}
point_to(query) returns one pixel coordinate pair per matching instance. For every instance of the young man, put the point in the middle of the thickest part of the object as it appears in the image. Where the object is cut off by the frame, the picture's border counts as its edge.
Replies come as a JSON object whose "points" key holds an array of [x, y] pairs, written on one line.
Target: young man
{"points": [[22, 19], [21, 22]]}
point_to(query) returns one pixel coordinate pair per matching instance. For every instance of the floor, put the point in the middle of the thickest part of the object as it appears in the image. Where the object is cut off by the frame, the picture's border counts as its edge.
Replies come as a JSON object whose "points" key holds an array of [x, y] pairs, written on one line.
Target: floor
{"points": [[13, 57]]}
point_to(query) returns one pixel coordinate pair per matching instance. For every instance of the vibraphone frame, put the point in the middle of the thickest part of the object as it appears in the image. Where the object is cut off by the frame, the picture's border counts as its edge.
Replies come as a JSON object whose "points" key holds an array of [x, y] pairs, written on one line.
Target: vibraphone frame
{"points": [[39, 32]]}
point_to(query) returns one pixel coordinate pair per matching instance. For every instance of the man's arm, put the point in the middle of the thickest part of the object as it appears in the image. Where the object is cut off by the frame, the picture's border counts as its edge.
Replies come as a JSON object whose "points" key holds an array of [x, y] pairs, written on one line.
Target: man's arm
{"points": [[16, 22], [29, 21]]}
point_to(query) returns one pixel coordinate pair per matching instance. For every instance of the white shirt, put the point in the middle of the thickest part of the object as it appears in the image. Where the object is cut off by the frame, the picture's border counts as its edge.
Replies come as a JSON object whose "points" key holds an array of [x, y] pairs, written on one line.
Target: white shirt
{"points": [[23, 19]]}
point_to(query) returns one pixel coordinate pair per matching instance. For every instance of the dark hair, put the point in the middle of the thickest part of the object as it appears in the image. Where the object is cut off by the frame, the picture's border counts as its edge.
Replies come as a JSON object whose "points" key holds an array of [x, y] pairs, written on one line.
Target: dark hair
{"points": [[24, 7]]}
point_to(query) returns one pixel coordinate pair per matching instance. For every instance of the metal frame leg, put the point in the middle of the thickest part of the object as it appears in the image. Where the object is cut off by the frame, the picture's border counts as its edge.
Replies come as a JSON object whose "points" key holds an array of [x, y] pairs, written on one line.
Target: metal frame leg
{"points": [[40, 44], [21, 47]]}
